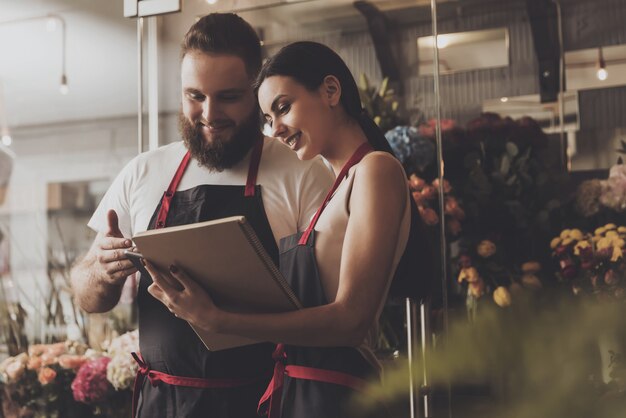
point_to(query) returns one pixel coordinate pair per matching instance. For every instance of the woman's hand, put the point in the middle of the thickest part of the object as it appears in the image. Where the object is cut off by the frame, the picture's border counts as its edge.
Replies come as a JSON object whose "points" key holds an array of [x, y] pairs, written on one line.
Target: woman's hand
{"points": [[183, 297]]}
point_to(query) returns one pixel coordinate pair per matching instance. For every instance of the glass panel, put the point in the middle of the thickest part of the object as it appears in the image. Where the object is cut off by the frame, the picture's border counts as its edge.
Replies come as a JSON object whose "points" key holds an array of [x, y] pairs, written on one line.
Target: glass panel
{"points": [[68, 124], [515, 148]]}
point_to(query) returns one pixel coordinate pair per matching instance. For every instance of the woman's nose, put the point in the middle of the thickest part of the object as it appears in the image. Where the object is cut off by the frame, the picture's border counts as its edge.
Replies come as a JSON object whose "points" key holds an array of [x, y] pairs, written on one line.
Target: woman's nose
{"points": [[278, 129]]}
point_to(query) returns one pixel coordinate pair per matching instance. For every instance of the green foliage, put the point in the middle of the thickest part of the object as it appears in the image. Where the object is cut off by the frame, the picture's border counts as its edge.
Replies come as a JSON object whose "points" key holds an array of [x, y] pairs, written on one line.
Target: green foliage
{"points": [[381, 103], [543, 362]]}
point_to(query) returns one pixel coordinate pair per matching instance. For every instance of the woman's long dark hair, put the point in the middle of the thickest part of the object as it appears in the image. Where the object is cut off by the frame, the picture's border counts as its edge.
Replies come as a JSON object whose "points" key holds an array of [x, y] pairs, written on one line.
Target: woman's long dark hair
{"points": [[309, 63]]}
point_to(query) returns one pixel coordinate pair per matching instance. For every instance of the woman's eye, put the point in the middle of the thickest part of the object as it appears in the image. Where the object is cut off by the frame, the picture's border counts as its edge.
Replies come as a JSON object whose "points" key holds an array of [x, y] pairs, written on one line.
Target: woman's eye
{"points": [[284, 108]]}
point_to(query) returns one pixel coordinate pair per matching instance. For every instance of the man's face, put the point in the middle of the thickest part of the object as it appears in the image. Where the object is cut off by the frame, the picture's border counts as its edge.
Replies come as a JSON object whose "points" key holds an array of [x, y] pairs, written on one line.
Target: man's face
{"points": [[219, 120]]}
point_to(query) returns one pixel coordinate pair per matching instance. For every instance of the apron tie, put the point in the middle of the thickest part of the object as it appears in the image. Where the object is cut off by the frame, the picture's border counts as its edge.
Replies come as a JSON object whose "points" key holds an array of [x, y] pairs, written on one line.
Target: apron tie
{"points": [[155, 377], [270, 403]]}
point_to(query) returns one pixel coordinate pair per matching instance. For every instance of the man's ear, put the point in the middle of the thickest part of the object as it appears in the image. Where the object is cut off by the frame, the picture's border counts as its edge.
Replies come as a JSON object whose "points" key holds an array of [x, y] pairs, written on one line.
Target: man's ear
{"points": [[331, 90]]}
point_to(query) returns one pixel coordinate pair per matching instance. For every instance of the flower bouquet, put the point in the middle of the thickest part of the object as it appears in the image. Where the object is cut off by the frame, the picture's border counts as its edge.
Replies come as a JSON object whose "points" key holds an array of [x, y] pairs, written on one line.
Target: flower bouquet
{"points": [[592, 263], [69, 380]]}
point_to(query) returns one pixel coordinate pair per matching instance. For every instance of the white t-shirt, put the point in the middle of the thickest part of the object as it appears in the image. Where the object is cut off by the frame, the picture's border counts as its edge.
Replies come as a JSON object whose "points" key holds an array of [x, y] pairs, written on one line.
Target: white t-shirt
{"points": [[292, 190]]}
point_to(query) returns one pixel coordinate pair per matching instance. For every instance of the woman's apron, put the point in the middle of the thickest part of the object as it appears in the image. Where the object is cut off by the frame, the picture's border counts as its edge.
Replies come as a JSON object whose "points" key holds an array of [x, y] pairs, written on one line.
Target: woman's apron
{"points": [[184, 378], [313, 382]]}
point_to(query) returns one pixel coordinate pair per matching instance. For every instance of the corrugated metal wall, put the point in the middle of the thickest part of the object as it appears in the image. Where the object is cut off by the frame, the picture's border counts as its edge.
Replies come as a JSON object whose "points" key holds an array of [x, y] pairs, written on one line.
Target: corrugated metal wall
{"points": [[586, 24]]}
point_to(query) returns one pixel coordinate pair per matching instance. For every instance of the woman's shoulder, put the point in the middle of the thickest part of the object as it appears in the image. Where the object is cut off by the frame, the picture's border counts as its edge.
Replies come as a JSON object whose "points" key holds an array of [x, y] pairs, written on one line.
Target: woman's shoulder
{"points": [[380, 163]]}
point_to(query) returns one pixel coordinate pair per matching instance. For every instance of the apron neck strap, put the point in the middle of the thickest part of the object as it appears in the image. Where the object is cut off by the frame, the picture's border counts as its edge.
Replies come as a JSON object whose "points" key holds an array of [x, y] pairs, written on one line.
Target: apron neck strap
{"points": [[253, 170], [356, 157]]}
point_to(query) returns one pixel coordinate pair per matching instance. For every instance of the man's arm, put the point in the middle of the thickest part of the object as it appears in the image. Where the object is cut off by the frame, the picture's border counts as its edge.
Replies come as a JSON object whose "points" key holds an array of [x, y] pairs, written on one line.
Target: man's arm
{"points": [[97, 279]]}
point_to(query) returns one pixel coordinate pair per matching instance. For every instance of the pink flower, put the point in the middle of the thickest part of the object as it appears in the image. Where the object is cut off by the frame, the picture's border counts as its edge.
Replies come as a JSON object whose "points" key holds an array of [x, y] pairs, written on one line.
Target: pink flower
{"points": [[416, 183], [429, 216], [91, 384], [429, 128], [447, 188], [46, 375], [71, 361], [34, 363]]}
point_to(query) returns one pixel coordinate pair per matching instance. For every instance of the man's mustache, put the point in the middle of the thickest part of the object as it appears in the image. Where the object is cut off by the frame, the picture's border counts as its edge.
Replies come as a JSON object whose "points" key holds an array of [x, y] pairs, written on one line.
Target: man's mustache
{"points": [[219, 123]]}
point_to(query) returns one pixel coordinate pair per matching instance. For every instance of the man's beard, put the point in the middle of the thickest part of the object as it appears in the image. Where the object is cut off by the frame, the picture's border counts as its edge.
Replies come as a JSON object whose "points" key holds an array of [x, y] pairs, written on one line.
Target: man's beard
{"points": [[220, 153]]}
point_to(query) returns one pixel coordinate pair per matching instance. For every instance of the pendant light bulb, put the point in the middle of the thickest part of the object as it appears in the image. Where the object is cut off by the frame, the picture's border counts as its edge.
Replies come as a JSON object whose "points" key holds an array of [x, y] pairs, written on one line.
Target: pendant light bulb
{"points": [[602, 73], [64, 89]]}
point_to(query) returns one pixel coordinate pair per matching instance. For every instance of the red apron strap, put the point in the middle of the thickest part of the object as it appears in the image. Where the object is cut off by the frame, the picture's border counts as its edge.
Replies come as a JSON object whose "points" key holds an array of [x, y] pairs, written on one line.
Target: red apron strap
{"points": [[155, 377], [169, 193], [253, 168], [326, 376], [358, 155], [270, 401]]}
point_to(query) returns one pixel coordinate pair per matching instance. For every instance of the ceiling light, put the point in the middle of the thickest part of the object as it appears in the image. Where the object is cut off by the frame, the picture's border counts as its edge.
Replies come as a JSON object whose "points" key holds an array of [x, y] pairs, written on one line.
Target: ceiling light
{"points": [[7, 140], [64, 88], [504, 99], [602, 73], [442, 41], [211, 1]]}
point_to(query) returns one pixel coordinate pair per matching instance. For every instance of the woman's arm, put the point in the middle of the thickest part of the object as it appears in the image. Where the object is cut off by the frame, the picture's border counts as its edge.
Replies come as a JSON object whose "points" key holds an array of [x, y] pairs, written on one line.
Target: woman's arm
{"points": [[377, 203]]}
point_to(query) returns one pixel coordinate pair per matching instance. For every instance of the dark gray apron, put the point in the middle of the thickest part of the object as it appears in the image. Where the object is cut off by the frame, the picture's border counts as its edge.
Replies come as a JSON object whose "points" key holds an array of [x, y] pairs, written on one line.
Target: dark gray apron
{"points": [[313, 382], [184, 379]]}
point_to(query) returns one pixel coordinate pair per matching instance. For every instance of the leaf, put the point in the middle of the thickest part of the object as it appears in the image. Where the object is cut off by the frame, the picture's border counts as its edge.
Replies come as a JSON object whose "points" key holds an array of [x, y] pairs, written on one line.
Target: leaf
{"points": [[512, 149], [505, 164], [383, 87], [364, 82]]}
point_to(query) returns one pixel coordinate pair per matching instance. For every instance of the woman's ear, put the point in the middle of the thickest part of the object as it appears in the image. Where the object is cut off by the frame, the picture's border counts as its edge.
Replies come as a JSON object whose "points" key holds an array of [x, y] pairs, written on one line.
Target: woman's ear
{"points": [[331, 90]]}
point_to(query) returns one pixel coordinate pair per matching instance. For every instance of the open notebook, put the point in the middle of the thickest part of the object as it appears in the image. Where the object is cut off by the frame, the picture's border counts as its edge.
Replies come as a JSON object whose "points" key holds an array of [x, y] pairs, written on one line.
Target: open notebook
{"points": [[226, 257]]}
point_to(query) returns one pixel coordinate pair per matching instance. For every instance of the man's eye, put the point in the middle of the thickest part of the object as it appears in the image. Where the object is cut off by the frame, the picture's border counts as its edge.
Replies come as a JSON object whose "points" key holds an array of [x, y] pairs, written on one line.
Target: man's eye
{"points": [[195, 96]]}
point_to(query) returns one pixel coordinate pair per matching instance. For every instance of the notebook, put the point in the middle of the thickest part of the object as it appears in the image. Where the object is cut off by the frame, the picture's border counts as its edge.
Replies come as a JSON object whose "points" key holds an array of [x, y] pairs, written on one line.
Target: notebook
{"points": [[226, 257]]}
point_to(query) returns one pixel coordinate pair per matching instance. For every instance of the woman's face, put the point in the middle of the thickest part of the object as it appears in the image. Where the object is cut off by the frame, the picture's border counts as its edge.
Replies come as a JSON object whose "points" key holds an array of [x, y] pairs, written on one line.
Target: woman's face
{"points": [[300, 118]]}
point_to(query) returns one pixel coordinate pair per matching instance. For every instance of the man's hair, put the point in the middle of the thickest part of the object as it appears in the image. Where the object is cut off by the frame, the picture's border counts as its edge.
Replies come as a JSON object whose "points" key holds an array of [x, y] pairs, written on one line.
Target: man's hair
{"points": [[225, 33]]}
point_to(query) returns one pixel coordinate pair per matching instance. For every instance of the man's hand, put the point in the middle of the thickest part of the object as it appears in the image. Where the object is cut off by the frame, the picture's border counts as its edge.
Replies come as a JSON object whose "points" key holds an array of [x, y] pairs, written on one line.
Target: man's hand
{"points": [[98, 278], [109, 252]]}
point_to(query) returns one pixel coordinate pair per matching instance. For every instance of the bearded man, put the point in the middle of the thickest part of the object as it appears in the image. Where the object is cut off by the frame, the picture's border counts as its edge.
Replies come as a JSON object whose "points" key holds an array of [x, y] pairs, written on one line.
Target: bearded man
{"points": [[223, 166]]}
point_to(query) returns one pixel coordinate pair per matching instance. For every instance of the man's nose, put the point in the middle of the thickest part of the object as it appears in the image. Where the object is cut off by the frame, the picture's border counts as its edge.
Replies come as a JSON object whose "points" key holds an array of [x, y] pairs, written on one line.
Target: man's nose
{"points": [[210, 109]]}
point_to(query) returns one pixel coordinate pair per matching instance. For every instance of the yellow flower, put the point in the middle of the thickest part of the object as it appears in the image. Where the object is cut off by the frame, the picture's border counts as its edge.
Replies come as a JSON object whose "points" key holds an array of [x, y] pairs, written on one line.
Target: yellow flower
{"points": [[576, 234], [567, 241], [596, 238], [565, 233], [486, 248], [621, 229], [617, 254], [502, 296], [611, 234], [580, 245], [619, 243], [599, 231], [610, 226], [604, 243], [555, 242]]}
